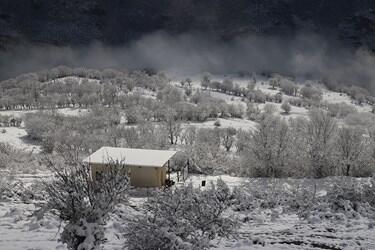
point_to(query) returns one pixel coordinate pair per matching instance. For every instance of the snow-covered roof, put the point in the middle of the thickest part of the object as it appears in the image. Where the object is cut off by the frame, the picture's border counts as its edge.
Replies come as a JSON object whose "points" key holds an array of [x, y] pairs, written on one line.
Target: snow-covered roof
{"points": [[131, 156]]}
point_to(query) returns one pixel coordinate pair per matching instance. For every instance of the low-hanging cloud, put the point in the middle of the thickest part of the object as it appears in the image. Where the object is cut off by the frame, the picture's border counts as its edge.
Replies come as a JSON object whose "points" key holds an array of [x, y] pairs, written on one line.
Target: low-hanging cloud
{"points": [[303, 55]]}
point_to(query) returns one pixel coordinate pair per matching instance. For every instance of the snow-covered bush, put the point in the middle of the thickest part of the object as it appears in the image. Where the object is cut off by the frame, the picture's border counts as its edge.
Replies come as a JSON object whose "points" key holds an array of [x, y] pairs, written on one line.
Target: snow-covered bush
{"points": [[38, 124], [340, 110], [364, 120], [227, 137], [170, 95], [269, 108], [256, 96], [341, 199], [286, 107], [235, 110], [83, 235], [11, 189], [4, 187], [182, 218], [346, 199], [288, 87], [253, 112], [310, 92], [84, 204], [204, 151], [357, 93], [17, 161], [217, 123], [265, 194]]}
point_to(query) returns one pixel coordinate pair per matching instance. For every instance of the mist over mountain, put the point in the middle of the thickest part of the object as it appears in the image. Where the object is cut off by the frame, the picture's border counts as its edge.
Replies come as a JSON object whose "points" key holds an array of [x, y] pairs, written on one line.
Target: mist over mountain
{"points": [[325, 39], [115, 22]]}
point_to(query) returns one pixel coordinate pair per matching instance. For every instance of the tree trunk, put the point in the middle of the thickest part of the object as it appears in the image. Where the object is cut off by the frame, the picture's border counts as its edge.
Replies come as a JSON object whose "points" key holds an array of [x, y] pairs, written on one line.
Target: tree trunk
{"points": [[347, 169]]}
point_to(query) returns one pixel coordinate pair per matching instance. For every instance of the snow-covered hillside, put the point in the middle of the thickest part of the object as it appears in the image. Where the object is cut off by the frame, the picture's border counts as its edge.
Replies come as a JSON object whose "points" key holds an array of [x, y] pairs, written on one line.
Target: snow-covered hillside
{"points": [[271, 212], [18, 136]]}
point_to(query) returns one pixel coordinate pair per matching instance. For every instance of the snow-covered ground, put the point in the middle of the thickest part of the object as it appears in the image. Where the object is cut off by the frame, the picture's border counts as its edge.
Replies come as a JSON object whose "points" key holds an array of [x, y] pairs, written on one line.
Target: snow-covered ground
{"points": [[17, 137], [63, 111], [259, 228], [19, 230], [73, 111], [289, 232], [144, 92], [225, 123], [335, 97], [294, 113]]}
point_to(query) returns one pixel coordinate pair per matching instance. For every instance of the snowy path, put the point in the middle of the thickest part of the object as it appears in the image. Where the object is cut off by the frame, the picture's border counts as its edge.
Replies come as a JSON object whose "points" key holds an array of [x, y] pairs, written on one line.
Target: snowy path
{"points": [[18, 230], [288, 232]]}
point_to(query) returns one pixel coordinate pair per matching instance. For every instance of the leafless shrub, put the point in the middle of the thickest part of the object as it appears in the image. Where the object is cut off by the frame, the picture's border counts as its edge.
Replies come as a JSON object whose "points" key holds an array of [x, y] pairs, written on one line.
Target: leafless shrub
{"points": [[183, 218], [84, 204], [346, 199]]}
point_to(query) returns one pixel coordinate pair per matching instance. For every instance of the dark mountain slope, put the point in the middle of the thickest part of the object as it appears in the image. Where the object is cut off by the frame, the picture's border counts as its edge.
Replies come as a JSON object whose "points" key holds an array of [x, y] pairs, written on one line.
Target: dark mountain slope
{"points": [[116, 22]]}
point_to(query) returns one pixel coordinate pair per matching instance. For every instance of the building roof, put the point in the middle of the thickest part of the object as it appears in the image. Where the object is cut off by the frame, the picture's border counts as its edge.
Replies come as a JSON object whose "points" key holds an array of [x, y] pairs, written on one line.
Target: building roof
{"points": [[131, 156]]}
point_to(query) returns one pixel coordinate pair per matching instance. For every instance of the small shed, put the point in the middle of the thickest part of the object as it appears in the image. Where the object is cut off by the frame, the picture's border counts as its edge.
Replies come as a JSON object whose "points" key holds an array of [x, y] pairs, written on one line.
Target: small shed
{"points": [[146, 168]]}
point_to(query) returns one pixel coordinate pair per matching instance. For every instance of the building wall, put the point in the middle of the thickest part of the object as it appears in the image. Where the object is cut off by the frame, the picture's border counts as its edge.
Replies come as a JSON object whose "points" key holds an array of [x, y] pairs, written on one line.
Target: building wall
{"points": [[139, 176], [147, 176]]}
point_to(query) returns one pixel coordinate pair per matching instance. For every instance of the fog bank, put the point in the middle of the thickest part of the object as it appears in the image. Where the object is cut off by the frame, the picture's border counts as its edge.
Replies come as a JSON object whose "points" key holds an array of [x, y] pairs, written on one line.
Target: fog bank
{"points": [[305, 55]]}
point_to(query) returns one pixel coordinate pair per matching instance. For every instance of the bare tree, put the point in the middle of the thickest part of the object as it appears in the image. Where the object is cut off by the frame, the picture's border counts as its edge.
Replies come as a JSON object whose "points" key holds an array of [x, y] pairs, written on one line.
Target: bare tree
{"points": [[341, 110], [274, 82], [252, 111], [227, 86], [243, 139], [320, 131], [173, 126], [189, 135], [269, 148], [170, 95], [188, 81], [227, 137], [286, 107], [289, 87], [206, 80], [351, 145]]}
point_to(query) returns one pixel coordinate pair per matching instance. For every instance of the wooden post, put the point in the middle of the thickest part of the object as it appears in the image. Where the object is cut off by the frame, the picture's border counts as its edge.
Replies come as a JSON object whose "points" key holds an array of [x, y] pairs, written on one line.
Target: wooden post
{"points": [[183, 173], [169, 171], [187, 170]]}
